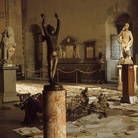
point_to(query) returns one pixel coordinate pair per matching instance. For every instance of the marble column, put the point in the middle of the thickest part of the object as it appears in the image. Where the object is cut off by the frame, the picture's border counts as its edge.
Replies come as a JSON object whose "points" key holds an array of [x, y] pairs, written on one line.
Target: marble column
{"points": [[120, 78], [54, 112]]}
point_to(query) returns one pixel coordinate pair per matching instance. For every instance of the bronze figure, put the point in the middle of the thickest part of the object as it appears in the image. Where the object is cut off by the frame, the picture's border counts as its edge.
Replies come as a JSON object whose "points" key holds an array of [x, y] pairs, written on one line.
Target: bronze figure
{"points": [[51, 37]]}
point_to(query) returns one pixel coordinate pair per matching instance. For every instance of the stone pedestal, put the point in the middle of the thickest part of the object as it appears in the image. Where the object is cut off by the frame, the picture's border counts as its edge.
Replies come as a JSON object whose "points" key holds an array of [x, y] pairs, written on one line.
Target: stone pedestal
{"points": [[8, 83], [54, 112], [120, 87], [128, 82]]}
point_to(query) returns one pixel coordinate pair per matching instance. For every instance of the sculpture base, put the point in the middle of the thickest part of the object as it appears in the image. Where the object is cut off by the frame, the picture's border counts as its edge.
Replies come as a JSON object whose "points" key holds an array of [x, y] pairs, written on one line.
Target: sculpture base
{"points": [[128, 61], [53, 87], [128, 82], [54, 111], [130, 99], [120, 85], [8, 83]]}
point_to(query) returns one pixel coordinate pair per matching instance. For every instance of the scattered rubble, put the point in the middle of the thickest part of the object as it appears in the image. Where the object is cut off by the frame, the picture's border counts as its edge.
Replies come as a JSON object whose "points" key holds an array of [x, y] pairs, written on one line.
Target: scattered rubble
{"points": [[122, 121]]}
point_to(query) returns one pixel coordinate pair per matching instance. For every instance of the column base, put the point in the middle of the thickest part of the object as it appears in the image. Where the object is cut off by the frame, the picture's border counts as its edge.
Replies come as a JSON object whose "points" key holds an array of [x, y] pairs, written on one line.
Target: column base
{"points": [[10, 97]]}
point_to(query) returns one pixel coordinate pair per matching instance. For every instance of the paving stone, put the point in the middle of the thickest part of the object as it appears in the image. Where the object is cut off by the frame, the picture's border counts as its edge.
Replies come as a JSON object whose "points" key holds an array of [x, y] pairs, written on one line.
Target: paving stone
{"points": [[105, 135], [90, 119], [72, 128], [132, 132], [92, 126]]}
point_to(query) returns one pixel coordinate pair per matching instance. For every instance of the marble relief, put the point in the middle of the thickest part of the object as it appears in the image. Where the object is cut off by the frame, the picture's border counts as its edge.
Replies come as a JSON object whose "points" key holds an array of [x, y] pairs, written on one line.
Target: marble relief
{"points": [[69, 49]]}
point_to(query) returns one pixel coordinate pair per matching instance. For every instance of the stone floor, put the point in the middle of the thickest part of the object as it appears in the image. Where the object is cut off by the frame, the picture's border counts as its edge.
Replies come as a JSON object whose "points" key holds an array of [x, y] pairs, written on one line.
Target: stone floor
{"points": [[122, 121]]}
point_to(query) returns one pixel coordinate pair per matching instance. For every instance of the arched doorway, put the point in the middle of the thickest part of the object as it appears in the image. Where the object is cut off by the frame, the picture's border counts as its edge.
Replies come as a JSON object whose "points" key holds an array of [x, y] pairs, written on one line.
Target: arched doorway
{"points": [[34, 51], [113, 49]]}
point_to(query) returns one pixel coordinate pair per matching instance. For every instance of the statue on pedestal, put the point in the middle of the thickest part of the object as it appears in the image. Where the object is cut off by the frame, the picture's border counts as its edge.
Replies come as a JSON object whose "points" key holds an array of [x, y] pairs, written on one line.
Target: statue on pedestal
{"points": [[126, 43], [8, 45], [51, 37]]}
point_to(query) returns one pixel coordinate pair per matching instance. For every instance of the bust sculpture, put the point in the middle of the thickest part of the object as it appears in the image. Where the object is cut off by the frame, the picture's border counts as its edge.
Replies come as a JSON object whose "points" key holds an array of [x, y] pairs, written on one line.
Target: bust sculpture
{"points": [[126, 43], [8, 45], [51, 37]]}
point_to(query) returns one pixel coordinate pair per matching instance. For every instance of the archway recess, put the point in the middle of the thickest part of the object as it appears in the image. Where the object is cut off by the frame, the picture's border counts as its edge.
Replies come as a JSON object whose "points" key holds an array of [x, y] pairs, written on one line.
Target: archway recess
{"points": [[33, 51], [113, 26]]}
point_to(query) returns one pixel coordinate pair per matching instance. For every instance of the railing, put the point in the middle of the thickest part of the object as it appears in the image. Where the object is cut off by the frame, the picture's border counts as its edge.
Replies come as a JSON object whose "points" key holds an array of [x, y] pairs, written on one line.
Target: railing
{"points": [[76, 70], [40, 71]]}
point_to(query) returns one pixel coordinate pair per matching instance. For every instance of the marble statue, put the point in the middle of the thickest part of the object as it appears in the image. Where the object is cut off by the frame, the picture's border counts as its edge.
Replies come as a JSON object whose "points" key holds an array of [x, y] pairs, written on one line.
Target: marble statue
{"points": [[64, 54], [126, 42], [51, 37], [77, 51], [8, 45]]}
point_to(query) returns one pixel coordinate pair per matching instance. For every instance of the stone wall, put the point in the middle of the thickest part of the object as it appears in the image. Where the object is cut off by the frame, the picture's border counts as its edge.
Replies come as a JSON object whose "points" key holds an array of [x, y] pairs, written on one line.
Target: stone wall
{"points": [[83, 20], [13, 19]]}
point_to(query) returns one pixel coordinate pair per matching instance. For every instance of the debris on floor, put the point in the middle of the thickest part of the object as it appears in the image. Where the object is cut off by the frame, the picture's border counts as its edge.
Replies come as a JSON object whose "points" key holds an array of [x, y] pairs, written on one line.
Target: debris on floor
{"points": [[121, 122], [29, 131]]}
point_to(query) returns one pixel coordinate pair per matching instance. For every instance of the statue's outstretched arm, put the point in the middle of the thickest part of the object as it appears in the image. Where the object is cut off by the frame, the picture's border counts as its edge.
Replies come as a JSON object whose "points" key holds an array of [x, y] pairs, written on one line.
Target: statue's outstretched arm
{"points": [[44, 26], [58, 24]]}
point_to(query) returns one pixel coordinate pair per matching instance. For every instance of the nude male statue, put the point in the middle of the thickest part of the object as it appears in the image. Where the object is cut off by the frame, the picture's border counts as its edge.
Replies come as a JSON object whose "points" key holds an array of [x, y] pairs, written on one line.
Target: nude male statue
{"points": [[51, 37], [126, 42]]}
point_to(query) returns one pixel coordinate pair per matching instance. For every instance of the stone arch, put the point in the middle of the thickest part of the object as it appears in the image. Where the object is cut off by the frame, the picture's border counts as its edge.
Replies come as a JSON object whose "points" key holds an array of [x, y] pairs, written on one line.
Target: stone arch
{"points": [[114, 11], [111, 28], [33, 21], [30, 35]]}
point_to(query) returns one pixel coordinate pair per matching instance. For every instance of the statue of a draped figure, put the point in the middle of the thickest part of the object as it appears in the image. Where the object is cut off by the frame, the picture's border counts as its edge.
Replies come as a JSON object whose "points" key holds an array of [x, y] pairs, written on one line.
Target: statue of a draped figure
{"points": [[8, 45]]}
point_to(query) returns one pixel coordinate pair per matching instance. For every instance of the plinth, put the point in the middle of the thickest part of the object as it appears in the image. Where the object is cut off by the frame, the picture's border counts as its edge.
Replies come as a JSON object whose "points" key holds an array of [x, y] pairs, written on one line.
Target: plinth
{"points": [[54, 112], [128, 82], [120, 78], [8, 83]]}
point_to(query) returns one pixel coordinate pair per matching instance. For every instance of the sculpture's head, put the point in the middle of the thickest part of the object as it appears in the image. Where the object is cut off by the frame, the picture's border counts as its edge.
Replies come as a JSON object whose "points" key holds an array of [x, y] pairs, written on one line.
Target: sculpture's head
{"points": [[100, 55], [126, 26], [9, 31], [50, 29]]}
